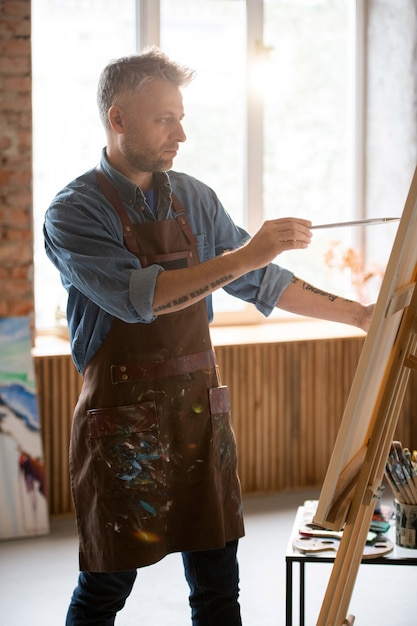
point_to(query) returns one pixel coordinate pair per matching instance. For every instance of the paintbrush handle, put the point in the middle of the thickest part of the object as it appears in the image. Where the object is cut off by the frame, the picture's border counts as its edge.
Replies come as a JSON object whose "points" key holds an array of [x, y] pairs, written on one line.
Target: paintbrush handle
{"points": [[396, 491], [367, 222]]}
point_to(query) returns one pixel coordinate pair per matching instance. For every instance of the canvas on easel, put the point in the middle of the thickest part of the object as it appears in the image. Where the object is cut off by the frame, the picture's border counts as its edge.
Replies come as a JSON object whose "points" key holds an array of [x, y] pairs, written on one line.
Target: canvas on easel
{"points": [[356, 468], [23, 504]]}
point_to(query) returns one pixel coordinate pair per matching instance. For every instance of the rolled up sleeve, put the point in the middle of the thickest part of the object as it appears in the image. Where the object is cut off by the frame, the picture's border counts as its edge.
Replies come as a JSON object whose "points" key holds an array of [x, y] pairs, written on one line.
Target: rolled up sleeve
{"points": [[142, 289], [276, 279], [262, 288]]}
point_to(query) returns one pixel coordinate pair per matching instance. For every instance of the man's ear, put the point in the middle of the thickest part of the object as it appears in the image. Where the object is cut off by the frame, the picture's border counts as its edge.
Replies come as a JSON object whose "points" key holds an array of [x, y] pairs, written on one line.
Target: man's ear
{"points": [[116, 119]]}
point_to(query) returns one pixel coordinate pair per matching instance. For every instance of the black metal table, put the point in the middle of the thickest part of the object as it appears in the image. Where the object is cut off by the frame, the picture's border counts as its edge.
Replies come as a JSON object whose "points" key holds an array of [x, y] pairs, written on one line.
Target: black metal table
{"points": [[399, 556]]}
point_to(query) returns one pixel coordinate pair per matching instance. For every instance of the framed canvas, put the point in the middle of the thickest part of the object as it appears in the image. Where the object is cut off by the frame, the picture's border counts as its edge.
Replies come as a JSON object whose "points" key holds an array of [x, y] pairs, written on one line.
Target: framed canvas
{"points": [[388, 345], [357, 464], [23, 504]]}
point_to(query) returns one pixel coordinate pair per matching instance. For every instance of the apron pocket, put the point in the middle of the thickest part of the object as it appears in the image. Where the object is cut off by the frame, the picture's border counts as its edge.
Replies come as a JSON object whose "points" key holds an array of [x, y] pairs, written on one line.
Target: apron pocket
{"points": [[125, 449], [219, 400]]}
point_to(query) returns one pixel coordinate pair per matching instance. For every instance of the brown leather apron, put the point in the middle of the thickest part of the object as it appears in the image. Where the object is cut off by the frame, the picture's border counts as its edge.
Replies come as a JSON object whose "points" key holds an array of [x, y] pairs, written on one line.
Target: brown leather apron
{"points": [[153, 454]]}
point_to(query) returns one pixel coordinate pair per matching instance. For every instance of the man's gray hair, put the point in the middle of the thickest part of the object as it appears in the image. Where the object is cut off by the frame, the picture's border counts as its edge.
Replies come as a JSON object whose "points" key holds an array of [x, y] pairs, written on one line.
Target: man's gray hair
{"points": [[131, 73]]}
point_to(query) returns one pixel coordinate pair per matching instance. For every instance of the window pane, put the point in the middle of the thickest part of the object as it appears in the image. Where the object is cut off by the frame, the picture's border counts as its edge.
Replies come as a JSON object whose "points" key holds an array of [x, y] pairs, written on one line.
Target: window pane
{"points": [[309, 127], [209, 36], [72, 41]]}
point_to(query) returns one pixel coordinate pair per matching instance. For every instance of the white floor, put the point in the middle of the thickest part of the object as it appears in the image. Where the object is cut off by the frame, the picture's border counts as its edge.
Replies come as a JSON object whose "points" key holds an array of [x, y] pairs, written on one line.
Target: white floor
{"points": [[37, 576]]}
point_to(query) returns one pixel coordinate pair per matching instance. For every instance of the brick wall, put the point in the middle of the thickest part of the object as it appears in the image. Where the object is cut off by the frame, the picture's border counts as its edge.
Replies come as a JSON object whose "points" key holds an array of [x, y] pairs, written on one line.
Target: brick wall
{"points": [[16, 232]]}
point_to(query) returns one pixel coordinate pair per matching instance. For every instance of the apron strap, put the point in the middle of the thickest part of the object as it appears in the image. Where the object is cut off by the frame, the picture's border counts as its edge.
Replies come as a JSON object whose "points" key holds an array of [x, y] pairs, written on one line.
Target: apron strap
{"points": [[182, 221], [129, 237], [112, 196]]}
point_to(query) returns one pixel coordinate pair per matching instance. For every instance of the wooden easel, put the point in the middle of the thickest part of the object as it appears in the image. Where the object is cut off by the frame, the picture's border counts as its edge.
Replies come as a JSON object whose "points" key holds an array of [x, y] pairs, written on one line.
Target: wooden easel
{"points": [[357, 466]]}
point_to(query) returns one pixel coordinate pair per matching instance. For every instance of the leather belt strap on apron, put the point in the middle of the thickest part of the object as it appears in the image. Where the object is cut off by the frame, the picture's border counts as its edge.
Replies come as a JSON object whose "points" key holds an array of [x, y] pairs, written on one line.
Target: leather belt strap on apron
{"points": [[130, 372]]}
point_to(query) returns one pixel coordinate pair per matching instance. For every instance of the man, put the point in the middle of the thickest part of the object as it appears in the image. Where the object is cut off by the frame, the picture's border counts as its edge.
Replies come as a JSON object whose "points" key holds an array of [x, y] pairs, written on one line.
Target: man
{"points": [[140, 249]]}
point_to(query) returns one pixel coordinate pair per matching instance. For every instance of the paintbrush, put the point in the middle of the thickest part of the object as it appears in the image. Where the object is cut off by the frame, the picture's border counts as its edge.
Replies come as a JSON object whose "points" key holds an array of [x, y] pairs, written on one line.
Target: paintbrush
{"points": [[368, 222], [393, 483], [396, 474], [407, 470], [410, 467], [400, 473]]}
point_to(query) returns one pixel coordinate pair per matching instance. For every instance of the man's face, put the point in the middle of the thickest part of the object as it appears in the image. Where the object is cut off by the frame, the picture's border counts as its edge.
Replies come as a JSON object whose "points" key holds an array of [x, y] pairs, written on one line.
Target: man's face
{"points": [[152, 127]]}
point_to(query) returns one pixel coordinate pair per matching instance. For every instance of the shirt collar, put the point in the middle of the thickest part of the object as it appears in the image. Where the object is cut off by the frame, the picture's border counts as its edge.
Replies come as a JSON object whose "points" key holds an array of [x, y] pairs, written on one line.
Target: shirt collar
{"points": [[127, 189]]}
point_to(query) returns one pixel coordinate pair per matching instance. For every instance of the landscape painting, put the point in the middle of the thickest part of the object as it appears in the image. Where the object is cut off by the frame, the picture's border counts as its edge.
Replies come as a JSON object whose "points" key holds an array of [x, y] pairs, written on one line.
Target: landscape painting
{"points": [[23, 504]]}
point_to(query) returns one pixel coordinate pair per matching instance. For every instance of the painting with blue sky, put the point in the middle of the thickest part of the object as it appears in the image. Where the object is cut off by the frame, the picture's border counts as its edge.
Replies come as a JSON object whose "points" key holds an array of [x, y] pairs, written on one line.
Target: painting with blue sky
{"points": [[23, 504]]}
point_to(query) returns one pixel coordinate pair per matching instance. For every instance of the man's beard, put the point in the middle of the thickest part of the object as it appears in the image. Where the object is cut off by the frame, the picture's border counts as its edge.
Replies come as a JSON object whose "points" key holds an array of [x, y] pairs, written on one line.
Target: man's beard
{"points": [[141, 161]]}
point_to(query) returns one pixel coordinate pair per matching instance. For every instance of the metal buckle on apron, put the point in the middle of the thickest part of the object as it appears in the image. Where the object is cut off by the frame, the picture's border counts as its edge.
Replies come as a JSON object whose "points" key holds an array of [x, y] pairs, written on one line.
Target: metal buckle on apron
{"points": [[130, 372]]}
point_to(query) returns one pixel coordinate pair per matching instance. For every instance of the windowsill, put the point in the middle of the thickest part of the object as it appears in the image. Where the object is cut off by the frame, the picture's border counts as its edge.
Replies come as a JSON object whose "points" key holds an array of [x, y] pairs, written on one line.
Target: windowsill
{"points": [[50, 345], [300, 330]]}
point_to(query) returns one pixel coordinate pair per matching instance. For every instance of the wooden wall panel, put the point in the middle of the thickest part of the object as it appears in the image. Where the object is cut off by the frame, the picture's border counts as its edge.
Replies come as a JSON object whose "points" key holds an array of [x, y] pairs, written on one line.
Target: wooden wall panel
{"points": [[287, 400]]}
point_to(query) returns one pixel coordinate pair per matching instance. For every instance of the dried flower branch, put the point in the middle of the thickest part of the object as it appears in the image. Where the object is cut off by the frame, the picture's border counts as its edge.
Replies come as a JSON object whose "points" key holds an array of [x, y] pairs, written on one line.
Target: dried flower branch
{"points": [[340, 259]]}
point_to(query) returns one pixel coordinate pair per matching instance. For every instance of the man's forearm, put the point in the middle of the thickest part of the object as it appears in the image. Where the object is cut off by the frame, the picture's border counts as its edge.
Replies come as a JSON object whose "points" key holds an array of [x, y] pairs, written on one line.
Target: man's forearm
{"points": [[302, 298], [178, 289]]}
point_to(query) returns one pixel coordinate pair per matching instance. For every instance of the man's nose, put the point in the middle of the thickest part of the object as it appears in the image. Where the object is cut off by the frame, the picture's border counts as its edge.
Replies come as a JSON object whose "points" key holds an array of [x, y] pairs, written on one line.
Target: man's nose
{"points": [[180, 133]]}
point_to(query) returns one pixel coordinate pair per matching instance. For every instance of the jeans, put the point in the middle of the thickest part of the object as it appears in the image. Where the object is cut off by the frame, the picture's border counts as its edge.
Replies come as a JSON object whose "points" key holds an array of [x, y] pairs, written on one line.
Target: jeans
{"points": [[213, 578]]}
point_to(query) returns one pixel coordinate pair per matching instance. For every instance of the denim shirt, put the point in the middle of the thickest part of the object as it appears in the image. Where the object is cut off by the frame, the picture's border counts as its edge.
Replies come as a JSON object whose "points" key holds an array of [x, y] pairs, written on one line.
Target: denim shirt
{"points": [[84, 240]]}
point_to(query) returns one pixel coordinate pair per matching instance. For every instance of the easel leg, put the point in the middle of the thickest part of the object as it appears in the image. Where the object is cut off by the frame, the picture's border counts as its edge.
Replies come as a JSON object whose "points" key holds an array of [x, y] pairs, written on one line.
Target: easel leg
{"points": [[349, 620], [345, 568]]}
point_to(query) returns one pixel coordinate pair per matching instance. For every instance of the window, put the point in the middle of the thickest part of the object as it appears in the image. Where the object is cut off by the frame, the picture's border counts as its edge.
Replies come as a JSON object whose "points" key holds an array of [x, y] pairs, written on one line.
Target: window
{"points": [[72, 41], [214, 102], [269, 116]]}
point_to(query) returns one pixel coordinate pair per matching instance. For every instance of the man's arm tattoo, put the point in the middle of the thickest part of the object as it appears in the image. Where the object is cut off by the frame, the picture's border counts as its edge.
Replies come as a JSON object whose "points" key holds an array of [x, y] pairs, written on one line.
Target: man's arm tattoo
{"points": [[221, 281], [169, 305], [194, 294], [308, 287]]}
